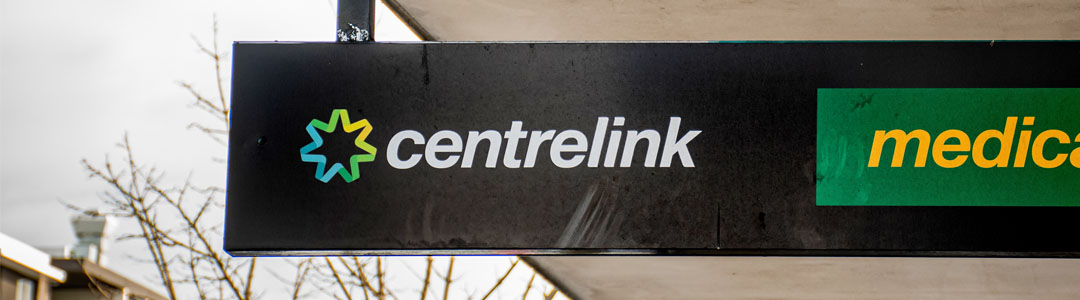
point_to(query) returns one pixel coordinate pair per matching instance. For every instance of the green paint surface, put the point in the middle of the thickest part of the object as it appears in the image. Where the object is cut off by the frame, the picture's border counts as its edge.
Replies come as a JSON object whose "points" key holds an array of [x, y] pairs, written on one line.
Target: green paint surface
{"points": [[848, 118]]}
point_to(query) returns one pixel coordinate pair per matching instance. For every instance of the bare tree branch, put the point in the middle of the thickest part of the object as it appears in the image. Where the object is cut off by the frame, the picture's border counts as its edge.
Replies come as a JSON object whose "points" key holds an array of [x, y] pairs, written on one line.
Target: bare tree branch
{"points": [[427, 278], [301, 275], [498, 283], [174, 222], [529, 286], [338, 278], [449, 274], [381, 294]]}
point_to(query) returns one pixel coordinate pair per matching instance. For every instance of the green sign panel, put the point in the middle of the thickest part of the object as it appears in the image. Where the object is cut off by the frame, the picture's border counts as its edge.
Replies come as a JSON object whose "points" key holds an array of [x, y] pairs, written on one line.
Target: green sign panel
{"points": [[948, 147]]}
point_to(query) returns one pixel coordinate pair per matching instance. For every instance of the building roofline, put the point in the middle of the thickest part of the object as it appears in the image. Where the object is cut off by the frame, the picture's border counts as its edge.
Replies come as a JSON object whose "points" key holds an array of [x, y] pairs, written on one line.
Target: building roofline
{"points": [[31, 258], [107, 276]]}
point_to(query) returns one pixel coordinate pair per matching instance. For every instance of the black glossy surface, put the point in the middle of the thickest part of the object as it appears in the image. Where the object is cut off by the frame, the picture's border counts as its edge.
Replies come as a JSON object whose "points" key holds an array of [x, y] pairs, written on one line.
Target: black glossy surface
{"points": [[752, 191]]}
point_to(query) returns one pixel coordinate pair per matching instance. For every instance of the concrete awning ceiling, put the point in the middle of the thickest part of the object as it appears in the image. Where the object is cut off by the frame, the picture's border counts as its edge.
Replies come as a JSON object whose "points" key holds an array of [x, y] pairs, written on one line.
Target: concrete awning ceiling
{"points": [[832, 278], [565, 20]]}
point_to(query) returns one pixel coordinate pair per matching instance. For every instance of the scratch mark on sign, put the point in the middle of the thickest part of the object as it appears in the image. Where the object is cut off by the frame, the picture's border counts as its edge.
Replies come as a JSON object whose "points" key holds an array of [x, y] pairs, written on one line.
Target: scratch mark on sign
{"points": [[595, 218]]}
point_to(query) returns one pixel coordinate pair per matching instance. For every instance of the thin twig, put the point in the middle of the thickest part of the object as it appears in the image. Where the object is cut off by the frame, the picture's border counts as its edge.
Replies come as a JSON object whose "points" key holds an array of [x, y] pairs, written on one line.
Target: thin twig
{"points": [[251, 274], [427, 278], [379, 275], [554, 291], [301, 275], [528, 287], [498, 283], [338, 278], [449, 274]]}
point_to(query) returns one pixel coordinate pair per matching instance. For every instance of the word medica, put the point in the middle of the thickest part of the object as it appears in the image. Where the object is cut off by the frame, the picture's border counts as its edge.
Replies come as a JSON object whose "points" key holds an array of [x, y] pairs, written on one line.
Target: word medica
{"points": [[963, 146], [568, 148]]}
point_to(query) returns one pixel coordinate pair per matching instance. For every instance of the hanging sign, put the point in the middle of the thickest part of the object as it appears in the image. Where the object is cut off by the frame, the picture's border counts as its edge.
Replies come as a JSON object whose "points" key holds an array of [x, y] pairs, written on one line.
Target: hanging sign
{"points": [[761, 148]]}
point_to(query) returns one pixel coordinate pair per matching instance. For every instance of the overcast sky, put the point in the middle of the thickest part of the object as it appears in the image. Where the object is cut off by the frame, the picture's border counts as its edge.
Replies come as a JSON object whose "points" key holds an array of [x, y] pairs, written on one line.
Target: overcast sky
{"points": [[75, 75]]}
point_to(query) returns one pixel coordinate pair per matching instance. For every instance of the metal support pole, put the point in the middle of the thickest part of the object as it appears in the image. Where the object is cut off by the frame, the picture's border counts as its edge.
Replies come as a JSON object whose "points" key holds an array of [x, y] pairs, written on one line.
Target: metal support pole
{"points": [[356, 21]]}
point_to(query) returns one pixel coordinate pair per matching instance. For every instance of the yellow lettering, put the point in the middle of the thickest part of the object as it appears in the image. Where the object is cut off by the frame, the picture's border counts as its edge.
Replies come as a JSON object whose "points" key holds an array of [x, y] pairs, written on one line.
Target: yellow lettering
{"points": [[960, 145], [1037, 148], [901, 138], [1006, 138], [1022, 146], [1074, 158], [940, 148]]}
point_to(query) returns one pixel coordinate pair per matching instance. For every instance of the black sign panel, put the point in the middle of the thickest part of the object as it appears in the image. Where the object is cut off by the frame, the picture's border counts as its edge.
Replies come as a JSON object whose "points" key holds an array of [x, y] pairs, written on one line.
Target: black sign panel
{"points": [[594, 148]]}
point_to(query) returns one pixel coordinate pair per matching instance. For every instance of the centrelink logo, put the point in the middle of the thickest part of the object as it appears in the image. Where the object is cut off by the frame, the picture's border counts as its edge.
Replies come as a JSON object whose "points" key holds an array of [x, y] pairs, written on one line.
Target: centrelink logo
{"points": [[567, 148], [323, 174]]}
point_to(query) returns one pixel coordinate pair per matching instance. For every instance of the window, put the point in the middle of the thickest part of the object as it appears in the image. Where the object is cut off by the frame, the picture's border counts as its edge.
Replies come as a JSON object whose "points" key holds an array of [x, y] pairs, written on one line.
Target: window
{"points": [[24, 289]]}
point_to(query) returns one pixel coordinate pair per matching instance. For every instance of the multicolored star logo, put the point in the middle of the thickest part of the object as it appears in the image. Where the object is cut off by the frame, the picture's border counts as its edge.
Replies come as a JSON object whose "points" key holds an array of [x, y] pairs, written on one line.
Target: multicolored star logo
{"points": [[323, 174]]}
